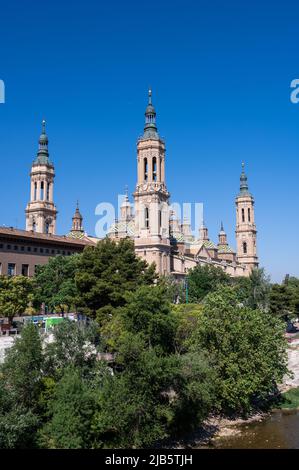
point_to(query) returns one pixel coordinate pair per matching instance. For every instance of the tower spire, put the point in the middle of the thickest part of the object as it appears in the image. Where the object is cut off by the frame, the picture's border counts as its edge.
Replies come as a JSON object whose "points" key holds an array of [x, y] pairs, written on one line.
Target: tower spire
{"points": [[243, 182], [43, 153], [150, 128]]}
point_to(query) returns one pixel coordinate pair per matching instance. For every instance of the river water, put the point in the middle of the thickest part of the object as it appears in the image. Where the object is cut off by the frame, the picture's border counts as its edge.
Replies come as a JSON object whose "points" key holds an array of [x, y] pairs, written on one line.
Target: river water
{"points": [[280, 430]]}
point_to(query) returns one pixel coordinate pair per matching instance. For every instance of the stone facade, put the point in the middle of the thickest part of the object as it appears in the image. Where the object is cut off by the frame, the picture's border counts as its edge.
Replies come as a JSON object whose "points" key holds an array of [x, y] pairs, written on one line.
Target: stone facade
{"points": [[41, 211], [160, 237]]}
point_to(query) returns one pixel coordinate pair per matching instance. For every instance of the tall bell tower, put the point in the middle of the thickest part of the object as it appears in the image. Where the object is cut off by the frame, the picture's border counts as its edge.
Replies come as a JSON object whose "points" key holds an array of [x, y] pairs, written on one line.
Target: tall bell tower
{"points": [[151, 197], [245, 227], [41, 212]]}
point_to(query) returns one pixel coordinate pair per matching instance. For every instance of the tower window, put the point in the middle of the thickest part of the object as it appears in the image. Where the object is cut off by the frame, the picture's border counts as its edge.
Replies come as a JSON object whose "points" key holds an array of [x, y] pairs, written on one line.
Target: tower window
{"points": [[47, 226], [145, 169], [146, 217], [42, 190], [48, 191], [244, 248], [35, 191], [34, 226], [160, 220], [248, 214], [243, 215], [154, 169]]}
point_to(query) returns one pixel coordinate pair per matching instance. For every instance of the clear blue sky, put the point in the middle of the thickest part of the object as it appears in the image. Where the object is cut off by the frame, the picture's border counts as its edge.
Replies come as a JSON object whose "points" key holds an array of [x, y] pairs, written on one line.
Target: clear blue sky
{"points": [[220, 74]]}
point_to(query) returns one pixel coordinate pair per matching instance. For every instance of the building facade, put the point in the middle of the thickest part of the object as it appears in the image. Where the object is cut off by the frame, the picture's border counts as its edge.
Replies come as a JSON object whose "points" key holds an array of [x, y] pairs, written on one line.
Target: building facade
{"points": [[158, 234], [160, 237]]}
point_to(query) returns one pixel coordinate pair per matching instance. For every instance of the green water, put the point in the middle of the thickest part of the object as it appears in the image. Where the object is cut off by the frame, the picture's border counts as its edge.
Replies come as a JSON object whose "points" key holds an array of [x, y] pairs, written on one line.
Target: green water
{"points": [[278, 431]]}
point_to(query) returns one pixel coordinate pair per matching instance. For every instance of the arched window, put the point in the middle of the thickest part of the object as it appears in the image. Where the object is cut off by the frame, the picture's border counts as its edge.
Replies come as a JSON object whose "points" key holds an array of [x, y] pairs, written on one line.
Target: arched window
{"points": [[34, 226], [35, 191], [154, 169], [160, 220], [145, 169], [146, 217], [248, 214], [47, 227], [243, 215], [244, 248], [42, 191], [48, 191]]}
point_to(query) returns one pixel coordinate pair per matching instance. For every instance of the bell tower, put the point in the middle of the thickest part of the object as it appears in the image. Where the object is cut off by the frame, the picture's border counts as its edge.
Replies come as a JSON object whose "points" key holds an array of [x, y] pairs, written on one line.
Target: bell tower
{"points": [[245, 227], [151, 197], [41, 212]]}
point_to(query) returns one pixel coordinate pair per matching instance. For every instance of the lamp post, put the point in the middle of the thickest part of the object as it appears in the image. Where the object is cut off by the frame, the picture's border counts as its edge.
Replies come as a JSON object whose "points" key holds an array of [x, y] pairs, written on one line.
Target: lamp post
{"points": [[186, 289]]}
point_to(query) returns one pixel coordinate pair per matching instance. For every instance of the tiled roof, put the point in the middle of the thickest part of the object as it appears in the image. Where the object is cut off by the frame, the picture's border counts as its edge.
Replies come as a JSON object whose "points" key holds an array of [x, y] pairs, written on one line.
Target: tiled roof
{"points": [[42, 237], [225, 249], [124, 227]]}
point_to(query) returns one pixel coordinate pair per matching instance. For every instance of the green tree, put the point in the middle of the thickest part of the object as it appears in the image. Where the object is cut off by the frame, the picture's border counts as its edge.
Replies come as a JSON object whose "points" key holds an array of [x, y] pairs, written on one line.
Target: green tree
{"points": [[253, 291], [22, 369], [56, 283], [148, 313], [186, 318], [15, 295], [70, 413], [20, 387], [106, 272], [205, 279], [281, 301], [73, 345], [247, 347]]}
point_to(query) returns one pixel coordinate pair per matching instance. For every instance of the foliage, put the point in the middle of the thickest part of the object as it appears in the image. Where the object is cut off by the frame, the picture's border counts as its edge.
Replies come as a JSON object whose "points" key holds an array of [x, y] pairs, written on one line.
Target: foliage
{"points": [[248, 349], [280, 301], [205, 279], [73, 345], [22, 370], [56, 283], [20, 386], [186, 317], [106, 273], [290, 399], [253, 291], [70, 413], [15, 295]]}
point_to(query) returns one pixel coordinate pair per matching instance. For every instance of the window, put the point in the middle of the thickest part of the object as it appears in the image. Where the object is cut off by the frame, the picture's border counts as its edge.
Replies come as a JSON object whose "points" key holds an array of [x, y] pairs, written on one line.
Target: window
{"points": [[63, 252], [25, 270], [48, 191], [69, 253], [16, 247], [47, 250], [248, 214], [28, 248], [53, 252], [154, 169], [146, 217], [22, 248], [243, 215], [47, 225], [11, 269], [1, 245], [41, 250], [145, 169], [8, 247], [34, 226], [244, 248], [35, 249], [35, 191], [160, 219], [42, 190]]}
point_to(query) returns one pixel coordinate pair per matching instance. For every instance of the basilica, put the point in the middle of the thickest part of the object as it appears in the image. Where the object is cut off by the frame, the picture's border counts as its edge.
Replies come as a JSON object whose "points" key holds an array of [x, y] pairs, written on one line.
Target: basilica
{"points": [[158, 234]]}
